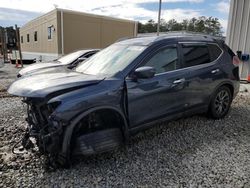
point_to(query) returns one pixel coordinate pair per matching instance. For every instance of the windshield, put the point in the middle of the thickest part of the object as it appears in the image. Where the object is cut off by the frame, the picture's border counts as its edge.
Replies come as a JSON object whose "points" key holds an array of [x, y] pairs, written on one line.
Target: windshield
{"points": [[67, 59], [110, 60]]}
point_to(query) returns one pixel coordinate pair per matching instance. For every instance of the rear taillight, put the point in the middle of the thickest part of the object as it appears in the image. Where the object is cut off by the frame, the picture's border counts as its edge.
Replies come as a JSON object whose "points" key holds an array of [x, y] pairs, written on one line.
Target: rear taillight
{"points": [[236, 61]]}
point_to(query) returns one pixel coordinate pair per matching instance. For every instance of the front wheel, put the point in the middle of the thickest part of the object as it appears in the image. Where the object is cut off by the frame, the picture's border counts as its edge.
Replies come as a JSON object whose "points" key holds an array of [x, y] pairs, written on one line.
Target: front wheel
{"points": [[220, 103]]}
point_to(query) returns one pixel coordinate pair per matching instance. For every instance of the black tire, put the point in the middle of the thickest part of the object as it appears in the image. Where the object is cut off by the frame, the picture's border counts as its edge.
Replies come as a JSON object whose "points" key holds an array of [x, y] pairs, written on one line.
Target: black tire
{"points": [[220, 103]]}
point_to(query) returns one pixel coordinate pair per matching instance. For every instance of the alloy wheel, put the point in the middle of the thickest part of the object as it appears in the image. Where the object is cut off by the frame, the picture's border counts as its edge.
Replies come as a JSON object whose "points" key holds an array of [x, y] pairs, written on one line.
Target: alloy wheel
{"points": [[222, 102]]}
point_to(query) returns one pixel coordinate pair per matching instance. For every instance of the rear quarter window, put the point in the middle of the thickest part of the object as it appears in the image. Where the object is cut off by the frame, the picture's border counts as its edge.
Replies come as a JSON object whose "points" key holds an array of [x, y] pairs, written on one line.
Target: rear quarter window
{"points": [[229, 51], [214, 51]]}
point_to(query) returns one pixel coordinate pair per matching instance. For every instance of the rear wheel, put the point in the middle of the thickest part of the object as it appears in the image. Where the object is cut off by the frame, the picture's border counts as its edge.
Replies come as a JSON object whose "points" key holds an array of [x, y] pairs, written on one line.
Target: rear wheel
{"points": [[220, 103]]}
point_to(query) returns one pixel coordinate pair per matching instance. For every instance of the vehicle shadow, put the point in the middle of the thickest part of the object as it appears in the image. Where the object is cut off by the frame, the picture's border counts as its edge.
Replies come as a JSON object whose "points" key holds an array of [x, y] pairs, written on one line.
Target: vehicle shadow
{"points": [[170, 153]]}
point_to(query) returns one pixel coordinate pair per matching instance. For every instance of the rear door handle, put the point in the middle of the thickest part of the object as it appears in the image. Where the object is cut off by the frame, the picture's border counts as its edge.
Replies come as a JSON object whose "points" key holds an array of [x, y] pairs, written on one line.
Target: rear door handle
{"points": [[179, 81], [215, 71]]}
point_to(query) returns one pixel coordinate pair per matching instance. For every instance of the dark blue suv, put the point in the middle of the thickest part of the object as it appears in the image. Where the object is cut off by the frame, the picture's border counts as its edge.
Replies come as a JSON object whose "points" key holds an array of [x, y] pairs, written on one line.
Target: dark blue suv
{"points": [[127, 87]]}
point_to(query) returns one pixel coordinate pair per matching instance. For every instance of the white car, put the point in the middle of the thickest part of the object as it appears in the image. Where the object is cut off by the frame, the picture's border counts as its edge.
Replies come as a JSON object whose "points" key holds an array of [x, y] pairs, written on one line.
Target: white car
{"points": [[69, 61]]}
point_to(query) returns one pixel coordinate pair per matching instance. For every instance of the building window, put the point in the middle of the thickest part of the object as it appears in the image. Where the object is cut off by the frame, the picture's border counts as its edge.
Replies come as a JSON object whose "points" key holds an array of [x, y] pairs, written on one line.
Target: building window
{"points": [[50, 28], [28, 37], [35, 36], [21, 39]]}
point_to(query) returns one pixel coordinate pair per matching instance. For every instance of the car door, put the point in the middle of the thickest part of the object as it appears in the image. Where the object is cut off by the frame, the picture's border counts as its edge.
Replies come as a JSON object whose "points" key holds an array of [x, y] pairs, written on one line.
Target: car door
{"points": [[162, 95], [202, 72]]}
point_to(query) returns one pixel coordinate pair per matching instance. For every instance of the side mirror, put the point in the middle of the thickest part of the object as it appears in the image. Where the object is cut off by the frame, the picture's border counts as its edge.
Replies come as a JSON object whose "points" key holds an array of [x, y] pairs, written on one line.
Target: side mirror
{"points": [[144, 72]]}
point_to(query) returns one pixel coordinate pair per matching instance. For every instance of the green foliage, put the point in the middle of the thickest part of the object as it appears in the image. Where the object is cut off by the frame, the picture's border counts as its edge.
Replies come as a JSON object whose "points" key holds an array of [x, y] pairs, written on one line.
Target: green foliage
{"points": [[207, 25]]}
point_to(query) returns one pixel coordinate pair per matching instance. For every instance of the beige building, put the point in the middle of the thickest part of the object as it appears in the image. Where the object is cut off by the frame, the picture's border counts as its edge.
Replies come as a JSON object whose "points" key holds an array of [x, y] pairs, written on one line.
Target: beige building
{"points": [[62, 31]]}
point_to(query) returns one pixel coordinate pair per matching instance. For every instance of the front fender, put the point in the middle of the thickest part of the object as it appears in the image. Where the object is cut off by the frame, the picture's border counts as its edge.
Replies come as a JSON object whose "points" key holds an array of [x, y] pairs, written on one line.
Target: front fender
{"points": [[107, 93], [70, 128]]}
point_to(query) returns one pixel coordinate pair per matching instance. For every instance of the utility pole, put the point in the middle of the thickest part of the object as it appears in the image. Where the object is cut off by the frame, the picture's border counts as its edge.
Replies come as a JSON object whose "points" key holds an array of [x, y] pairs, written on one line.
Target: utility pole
{"points": [[18, 44], [5, 45], [159, 19], [1, 39]]}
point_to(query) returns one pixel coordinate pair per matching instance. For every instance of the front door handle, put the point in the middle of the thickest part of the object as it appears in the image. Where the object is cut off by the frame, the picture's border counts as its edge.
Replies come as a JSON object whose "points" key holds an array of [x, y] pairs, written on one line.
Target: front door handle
{"points": [[215, 71], [179, 81]]}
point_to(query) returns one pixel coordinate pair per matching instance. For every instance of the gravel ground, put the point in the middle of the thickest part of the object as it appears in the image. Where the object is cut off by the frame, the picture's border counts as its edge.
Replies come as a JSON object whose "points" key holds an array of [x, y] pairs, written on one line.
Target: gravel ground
{"points": [[190, 152], [7, 75]]}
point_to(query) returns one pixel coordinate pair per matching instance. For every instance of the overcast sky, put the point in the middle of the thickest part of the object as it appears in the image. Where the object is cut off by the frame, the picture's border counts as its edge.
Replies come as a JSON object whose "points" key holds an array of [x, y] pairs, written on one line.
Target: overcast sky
{"points": [[20, 11]]}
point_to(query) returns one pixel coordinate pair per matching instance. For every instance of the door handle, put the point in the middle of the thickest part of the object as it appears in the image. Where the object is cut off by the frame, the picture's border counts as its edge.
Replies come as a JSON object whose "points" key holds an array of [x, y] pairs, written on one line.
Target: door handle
{"points": [[215, 71], [179, 81]]}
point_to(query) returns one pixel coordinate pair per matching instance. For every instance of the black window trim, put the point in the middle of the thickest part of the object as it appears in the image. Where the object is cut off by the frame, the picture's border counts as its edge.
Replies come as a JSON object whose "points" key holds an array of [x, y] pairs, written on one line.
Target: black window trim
{"points": [[221, 53], [190, 43], [150, 55], [178, 45]]}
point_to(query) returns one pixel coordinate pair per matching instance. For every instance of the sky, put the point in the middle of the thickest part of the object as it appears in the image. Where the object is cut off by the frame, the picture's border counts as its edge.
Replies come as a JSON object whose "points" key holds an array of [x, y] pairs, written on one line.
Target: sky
{"points": [[21, 11]]}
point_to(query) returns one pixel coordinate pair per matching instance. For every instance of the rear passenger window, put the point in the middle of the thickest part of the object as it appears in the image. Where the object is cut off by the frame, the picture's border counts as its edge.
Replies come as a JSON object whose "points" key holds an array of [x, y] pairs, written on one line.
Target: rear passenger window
{"points": [[214, 51], [165, 60], [195, 55]]}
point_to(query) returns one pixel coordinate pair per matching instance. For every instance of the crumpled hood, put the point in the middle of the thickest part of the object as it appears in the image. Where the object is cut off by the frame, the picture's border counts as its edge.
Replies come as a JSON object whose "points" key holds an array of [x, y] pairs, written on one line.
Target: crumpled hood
{"points": [[38, 66], [41, 85]]}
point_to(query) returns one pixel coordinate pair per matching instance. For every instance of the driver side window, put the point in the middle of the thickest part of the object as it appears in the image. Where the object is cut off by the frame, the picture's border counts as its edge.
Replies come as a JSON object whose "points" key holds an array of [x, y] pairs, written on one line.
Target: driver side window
{"points": [[164, 60]]}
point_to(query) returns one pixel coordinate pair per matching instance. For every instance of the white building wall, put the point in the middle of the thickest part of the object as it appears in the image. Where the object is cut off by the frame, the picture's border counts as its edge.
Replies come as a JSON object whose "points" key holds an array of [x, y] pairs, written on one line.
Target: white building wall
{"points": [[238, 31]]}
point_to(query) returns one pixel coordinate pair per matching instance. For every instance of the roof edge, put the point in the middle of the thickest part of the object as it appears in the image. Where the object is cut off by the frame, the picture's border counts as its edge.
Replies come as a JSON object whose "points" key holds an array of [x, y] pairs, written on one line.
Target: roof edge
{"points": [[94, 15], [79, 13], [39, 17]]}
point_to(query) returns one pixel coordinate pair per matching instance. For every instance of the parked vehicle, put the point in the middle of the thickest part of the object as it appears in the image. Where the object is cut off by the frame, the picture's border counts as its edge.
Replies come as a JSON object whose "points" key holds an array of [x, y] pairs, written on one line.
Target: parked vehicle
{"points": [[127, 87], [69, 61]]}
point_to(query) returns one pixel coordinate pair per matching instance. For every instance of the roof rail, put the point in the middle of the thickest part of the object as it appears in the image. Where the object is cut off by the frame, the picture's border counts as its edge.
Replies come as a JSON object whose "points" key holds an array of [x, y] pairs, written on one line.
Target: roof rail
{"points": [[124, 38], [174, 33], [189, 33]]}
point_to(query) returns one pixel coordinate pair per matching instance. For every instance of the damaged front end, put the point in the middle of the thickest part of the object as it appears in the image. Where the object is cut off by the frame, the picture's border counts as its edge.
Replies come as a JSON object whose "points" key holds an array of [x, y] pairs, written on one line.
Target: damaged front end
{"points": [[61, 103], [46, 131], [38, 90]]}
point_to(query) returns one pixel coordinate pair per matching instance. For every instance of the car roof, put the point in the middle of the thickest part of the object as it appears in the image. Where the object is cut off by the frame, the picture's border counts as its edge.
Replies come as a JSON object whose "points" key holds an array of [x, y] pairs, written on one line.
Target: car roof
{"points": [[87, 50], [177, 36]]}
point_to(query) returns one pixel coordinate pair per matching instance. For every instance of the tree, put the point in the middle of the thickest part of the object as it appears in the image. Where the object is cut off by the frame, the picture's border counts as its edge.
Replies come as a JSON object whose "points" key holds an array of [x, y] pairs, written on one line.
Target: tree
{"points": [[140, 28], [191, 24], [200, 24], [185, 24], [207, 25], [173, 25], [163, 26], [150, 26]]}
